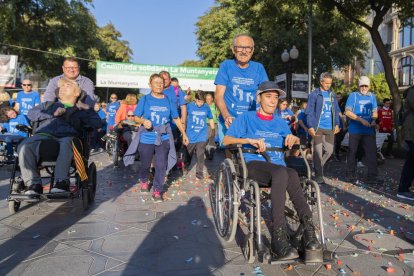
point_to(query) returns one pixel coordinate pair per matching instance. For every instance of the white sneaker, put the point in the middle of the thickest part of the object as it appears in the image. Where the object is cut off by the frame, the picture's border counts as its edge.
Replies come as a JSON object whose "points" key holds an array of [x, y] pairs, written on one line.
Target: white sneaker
{"points": [[360, 164]]}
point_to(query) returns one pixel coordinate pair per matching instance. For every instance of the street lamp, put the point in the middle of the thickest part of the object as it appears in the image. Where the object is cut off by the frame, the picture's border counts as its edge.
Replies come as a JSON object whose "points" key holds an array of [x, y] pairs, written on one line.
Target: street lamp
{"points": [[288, 59]]}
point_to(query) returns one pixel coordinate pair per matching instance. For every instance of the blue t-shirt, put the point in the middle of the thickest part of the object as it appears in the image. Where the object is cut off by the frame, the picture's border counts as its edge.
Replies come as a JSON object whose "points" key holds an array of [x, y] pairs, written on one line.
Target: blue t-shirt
{"points": [[111, 109], [302, 117], [10, 126], [284, 114], [196, 122], [241, 85], [325, 121], [159, 112], [177, 100], [249, 125], [101, 114], [362, 106], [27, 101]]}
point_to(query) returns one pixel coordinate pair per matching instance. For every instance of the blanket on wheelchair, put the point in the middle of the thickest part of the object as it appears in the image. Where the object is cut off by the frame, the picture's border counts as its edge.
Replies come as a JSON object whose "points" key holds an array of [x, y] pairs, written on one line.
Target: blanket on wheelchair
{"points": [[129, 156]]}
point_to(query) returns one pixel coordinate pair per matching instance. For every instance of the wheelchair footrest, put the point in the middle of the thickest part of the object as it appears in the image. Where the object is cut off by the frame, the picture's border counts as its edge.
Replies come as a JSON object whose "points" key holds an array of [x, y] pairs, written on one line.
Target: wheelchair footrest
{"points": [[62, 195], [23, 197]]}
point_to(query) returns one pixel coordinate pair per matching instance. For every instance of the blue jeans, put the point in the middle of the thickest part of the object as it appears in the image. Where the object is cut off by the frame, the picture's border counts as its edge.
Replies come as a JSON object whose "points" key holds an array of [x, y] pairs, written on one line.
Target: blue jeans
{"points": [[10, 139]]}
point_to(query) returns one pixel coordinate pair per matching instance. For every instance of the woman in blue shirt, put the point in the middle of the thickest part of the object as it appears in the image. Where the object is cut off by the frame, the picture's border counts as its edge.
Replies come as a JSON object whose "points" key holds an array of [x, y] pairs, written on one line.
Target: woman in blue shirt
{"points": [[263, 133], [155, 113]]}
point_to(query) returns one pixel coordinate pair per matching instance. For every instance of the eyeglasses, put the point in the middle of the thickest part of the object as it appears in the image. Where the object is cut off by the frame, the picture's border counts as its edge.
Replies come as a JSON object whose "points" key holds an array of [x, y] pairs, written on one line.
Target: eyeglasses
{"points": [[71, 68], [248, 49], [130, 115], [26, 84], [363, 86]]}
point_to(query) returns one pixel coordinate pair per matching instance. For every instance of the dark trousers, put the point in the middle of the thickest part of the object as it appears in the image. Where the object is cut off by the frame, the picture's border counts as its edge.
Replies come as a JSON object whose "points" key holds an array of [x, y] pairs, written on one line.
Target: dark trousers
{"points": [[157, 154], [370, 153], [339, 137], [212, 133], [178, 143], [96, 141], [323, 144], [390, 144], [198, 149], [281, 179], [407, 173]]}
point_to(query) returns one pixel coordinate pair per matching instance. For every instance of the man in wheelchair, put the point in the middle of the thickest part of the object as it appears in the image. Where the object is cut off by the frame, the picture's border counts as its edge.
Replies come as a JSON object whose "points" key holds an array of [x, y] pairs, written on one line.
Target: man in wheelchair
{"points": [[263, 134], [59, 121]]}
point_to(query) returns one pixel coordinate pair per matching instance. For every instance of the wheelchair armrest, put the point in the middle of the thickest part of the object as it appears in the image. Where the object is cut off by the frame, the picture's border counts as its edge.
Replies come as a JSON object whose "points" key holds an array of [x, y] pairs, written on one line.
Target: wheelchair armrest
{"points": [[233, 147], [24, 128]]}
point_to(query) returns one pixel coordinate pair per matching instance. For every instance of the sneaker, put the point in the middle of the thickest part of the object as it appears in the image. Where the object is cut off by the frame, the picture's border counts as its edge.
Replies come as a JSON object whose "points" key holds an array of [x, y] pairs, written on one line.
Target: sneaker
{"points": [[101, 150], [93, 151], [34, 189], [145, 187], [360, 164], [60, 187], [406, 195], [157, 197]]}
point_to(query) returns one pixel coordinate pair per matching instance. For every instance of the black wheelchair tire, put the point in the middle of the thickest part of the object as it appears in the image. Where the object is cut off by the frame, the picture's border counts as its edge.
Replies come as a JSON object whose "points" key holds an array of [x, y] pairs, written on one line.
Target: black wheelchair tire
{"points": [[92, 182], [85, 198], [14, 206], [223, 208], [115, 154]]}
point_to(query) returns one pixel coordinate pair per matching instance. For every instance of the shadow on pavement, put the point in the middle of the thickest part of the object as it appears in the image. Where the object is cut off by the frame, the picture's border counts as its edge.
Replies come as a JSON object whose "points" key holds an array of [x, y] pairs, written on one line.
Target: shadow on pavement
{"points": [[180, 243]]}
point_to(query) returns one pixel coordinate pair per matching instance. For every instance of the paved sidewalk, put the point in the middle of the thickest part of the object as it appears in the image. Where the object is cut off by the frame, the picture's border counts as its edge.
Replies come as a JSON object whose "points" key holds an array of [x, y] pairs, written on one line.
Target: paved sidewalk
{"points": [[125, 233]]}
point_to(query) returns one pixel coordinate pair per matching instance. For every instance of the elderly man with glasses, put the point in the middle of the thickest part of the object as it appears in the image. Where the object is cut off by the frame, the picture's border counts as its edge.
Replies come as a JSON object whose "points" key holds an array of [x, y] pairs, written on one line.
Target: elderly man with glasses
{"points": [[362, 110], [237, 82], [71, 71], [26, 99]]}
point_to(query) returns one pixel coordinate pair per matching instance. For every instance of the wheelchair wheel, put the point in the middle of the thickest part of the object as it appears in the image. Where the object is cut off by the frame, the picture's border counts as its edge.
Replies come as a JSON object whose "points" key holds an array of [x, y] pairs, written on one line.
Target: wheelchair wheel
{"points": [[91, 182], [14, 206], [108, 146], [85, 198], [222, 200], [115, 153], [248, 248]]}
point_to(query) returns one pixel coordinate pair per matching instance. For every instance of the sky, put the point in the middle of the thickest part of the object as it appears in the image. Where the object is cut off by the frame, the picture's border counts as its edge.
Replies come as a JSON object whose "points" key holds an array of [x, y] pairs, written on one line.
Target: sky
{"points": [[159, 32]]}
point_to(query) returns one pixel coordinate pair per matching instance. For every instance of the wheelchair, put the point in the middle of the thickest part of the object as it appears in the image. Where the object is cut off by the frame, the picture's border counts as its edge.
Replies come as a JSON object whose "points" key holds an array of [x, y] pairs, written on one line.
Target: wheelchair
{"points": [[115, 145], [49, 149], [237, 202]]}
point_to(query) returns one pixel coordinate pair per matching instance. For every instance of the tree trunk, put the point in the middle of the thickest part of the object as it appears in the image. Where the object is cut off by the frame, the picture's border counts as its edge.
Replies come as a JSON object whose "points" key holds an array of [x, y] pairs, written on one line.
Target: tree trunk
{"points": [[389, 77]]}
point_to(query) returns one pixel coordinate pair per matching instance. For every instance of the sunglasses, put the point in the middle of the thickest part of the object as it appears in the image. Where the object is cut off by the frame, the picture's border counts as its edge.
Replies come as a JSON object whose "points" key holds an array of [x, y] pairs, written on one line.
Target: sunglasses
{"points": [[24, 84], [130, 115], [363, 86]]}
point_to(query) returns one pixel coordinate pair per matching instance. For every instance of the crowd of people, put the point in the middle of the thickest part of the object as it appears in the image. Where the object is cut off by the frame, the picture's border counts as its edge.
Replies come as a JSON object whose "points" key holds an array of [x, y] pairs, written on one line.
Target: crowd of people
{"points": [[245, 108]]}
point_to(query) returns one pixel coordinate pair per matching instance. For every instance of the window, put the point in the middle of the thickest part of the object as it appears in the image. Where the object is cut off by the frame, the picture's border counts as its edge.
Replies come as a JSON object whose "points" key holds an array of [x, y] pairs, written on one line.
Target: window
{"points": [[406, 72], [407, 33]]}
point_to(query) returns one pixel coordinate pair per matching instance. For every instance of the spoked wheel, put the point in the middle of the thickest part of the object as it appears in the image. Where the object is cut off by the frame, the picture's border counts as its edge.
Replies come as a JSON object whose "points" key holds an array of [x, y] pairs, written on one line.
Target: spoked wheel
{"points": [[225, 215], [108, 146], [248, 248], [14, 206], [91, 182], [115, 153], [85, 198]]}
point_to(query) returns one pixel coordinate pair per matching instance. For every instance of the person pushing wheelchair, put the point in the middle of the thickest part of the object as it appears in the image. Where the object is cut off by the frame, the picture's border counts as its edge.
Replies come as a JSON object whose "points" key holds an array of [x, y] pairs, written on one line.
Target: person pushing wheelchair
{"points": [[61, 121], [262, 133]]}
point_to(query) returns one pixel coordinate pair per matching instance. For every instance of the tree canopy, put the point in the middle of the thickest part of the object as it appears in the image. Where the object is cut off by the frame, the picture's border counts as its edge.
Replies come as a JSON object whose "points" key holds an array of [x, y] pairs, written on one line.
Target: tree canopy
{"points": [[61, 28], [277, 25]]}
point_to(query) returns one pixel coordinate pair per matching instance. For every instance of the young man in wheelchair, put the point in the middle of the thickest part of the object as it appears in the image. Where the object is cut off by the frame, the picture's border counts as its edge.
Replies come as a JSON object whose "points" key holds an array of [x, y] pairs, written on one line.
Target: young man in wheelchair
{"points": [[261, 133], [60, 121]]}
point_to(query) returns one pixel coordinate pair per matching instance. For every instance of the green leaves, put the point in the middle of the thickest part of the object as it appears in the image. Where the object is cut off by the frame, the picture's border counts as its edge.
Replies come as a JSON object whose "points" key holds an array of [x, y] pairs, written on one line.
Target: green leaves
{"points": [[61, 27]]}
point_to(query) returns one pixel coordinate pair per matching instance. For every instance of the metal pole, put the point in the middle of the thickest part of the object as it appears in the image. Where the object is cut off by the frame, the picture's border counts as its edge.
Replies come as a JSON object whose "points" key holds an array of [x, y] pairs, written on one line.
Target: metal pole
{"points": [[107, 94], [289, 83], [309, 46]]}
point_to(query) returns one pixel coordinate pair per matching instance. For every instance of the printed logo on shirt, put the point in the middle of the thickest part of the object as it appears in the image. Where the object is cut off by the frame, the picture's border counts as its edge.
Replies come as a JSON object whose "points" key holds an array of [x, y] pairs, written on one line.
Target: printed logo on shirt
{"points": [[155, 117]]}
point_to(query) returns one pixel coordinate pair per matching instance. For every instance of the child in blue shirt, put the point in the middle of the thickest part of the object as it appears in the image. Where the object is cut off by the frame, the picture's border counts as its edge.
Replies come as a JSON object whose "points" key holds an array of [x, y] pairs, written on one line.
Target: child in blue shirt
{"points": [[11, 135], [111, 109], [197, 114]]}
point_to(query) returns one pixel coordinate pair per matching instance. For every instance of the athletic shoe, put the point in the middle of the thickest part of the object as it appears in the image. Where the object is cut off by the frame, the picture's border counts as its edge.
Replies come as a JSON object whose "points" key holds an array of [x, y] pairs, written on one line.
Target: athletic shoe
{"points": [[34, 189], [145, 187], [60, 187], [360, 164], [101, 150], [93, 151], [406, 195], [319, 179], [157, 197]]}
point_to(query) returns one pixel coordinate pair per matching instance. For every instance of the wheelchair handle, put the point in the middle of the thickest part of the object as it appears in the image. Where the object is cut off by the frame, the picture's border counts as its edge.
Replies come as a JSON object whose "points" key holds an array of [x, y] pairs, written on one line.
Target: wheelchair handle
{"points": [[24, 128]]}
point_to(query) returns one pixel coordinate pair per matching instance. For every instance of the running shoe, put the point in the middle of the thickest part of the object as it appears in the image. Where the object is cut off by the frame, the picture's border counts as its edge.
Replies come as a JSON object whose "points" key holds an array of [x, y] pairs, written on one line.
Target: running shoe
{"points": [[34, 189], [145, 187], [157, 197]]}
